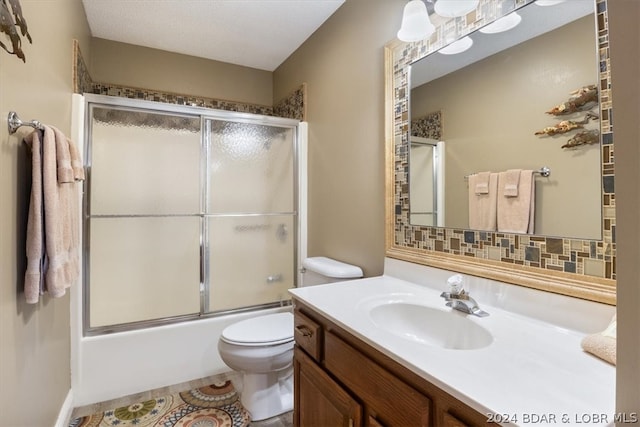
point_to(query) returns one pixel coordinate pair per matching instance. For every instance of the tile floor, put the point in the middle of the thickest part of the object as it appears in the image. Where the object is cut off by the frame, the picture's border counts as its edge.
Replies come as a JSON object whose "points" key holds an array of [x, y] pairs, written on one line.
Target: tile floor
{"points": [[284, 420]]}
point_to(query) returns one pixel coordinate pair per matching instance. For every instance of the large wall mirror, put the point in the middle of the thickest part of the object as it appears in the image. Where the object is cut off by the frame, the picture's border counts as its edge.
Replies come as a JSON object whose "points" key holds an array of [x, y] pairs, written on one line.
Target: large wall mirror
{"points": [[534, 97]]}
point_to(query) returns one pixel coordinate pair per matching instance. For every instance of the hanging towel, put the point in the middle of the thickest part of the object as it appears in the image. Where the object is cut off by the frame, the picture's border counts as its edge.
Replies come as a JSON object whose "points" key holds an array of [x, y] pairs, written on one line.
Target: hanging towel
{"points": [[68, 158], [63, 158], [482, 206], [511, 181], [516, 214], [482, 182], [53, 223], [34, 276]]}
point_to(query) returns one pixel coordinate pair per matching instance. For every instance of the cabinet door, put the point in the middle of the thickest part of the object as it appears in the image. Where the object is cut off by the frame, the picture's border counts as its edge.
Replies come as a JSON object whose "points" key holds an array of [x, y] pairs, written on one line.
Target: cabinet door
{"points": [[394, 403], [451, 421], [319, 401]]}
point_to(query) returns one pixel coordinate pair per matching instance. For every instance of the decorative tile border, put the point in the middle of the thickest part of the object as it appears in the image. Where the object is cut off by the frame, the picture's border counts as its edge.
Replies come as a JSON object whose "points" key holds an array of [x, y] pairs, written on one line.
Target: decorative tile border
{"points": [[81, 79], [179, 99], [294, 106], [594, 258], [429, 126]]}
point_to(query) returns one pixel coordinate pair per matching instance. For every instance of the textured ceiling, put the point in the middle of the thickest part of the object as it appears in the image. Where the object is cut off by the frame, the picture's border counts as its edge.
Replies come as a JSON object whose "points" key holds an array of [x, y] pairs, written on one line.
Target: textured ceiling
{"points": [[253, 33]]}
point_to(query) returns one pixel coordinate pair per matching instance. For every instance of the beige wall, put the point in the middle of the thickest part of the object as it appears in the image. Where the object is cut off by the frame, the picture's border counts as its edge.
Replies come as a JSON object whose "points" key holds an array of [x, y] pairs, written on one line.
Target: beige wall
{"points": [[342, 64], [490, 111], [34, 339], [129, 65], [625, 69]]}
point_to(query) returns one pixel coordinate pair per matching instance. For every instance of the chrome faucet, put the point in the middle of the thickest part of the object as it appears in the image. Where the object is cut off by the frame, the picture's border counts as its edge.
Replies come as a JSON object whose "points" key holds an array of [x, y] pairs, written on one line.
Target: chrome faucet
{"points": [[461, 301]]}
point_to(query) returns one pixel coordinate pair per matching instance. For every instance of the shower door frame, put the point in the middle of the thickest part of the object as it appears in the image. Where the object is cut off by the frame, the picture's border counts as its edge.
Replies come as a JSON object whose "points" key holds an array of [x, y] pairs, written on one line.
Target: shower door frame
{"points": [[206, 115]]}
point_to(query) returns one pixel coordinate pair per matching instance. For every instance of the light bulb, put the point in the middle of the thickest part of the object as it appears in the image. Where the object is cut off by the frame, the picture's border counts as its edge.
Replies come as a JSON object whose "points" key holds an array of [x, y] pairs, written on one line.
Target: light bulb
{"points": [[503, 24], [416, 24], [458, 46], [454, 8]]}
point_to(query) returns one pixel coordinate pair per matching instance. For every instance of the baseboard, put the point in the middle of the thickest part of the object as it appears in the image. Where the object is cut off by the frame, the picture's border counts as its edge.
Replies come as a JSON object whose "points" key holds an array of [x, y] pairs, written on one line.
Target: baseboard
{"points": [[64, 416]]}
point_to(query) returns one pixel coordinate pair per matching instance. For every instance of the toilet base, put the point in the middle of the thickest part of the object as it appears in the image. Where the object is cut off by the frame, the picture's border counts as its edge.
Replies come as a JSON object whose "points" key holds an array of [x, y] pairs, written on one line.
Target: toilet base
{"points": [[267, 395]]}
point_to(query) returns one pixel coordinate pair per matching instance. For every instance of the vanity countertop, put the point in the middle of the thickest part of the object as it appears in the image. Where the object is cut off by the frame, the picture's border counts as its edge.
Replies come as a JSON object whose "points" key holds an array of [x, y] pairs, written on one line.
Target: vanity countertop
{"points": [[533, 372]]}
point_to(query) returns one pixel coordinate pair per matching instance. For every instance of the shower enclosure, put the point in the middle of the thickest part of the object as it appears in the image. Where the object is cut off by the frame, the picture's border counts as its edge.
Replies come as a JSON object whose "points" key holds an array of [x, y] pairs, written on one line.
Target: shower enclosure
{"points": [[426, 181], [189, 213]]}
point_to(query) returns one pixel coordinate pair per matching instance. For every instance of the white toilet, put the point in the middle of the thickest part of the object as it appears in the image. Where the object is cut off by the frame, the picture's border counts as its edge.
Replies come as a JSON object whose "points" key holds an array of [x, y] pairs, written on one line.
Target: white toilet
{"points": [[261, 348]]}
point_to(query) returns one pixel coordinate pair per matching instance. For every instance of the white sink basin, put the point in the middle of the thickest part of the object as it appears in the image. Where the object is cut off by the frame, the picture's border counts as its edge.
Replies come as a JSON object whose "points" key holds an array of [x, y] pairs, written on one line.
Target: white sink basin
{"points": [[447, 329]]}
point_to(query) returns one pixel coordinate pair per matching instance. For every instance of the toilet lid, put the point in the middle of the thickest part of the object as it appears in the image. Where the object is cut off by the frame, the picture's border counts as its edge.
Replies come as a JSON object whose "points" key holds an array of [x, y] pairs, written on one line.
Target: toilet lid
{"points": [[269, 329]]}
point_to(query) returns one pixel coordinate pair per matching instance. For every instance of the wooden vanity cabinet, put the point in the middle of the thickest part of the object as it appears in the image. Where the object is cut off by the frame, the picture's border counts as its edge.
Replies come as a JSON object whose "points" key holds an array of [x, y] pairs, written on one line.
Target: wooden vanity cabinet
{"points": [[342, 381]]}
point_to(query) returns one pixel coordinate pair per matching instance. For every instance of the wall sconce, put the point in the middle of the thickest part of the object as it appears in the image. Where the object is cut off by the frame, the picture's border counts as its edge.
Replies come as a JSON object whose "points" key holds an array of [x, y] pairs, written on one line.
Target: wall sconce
{"points": [[416, 24], [455, 8]]}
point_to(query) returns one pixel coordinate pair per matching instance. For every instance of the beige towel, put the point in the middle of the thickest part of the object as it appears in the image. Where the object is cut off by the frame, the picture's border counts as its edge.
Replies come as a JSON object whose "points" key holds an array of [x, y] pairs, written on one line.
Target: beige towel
{"points": [[76, 162], [34, 275], [482, 207], [54, 205], [482, 182], [63, 158], [517, 214], [603, 344], [68, 160], [511, 181]]}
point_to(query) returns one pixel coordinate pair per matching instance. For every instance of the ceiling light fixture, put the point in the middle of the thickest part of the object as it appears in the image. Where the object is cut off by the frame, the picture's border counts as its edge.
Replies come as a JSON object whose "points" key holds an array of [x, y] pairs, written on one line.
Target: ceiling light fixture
{"points": [[457, 46], [454, 8], [503, 24], [416, 24]]}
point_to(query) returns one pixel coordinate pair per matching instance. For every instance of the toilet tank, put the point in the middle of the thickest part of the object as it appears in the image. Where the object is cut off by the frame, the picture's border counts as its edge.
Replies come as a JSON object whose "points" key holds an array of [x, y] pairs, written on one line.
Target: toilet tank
{"points": [[320, 270]]}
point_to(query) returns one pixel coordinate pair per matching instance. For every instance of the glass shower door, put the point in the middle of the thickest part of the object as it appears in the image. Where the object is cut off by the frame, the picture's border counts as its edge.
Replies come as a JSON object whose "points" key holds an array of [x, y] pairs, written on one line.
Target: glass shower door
{"points": [[143, 207], [188, 213], [251, 217]]}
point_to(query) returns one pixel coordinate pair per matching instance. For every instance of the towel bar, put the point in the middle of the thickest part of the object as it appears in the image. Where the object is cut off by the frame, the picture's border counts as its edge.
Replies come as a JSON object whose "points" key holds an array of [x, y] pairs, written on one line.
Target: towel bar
{"points": [[543, 171], [14, 123]]}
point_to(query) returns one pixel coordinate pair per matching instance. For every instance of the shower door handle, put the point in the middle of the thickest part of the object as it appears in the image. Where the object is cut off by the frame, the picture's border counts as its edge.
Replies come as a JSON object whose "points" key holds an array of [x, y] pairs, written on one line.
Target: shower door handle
{"points": [[282, 233], [273, 279]]}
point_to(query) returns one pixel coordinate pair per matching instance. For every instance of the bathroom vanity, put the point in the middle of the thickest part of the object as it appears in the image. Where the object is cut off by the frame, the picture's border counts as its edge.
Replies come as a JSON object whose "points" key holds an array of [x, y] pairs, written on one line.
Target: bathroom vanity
{"points": [[342, 381], [386, 351]]}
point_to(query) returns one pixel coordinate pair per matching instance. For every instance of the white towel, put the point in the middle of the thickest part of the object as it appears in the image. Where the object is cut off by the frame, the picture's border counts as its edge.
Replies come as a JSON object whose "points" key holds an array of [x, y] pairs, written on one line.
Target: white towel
{"points": [[482, 206], [517, 214]]}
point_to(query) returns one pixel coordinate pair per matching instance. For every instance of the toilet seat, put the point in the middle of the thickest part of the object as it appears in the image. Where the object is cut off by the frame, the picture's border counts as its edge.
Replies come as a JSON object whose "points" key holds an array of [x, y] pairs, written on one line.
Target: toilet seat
{"points": [[267, 330]]}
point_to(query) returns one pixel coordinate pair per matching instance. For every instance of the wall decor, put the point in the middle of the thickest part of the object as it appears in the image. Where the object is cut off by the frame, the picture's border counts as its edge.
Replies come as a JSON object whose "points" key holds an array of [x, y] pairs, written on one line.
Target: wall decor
{"points": [[9, 20], [583, 99]]}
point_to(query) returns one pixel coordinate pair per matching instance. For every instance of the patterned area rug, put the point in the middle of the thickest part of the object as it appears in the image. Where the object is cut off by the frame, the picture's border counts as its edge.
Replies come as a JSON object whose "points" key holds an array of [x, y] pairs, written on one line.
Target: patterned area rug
{"points": [[216, 405]]}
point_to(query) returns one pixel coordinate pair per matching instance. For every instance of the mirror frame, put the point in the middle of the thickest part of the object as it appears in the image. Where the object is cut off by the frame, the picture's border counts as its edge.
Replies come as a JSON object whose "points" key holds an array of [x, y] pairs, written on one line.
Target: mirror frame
{"points": [[569, 266]]}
